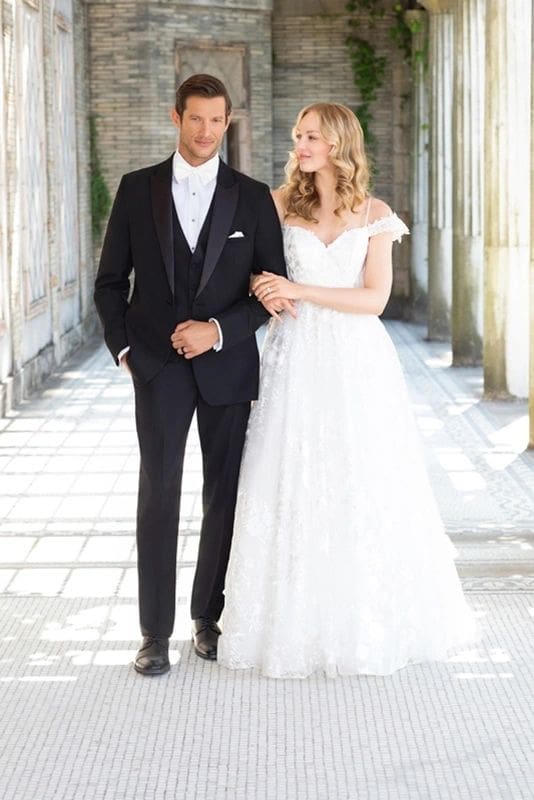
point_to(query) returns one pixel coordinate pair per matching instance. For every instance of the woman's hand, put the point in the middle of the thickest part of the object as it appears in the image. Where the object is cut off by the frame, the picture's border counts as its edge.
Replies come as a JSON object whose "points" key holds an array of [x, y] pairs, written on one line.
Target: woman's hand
{"points": [[269, 287], [275, 307]]}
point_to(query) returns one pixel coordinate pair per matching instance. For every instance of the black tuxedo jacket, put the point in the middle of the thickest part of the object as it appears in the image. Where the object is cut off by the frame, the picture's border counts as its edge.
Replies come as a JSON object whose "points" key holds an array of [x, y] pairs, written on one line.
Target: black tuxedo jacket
{"points": [[139, 237]]}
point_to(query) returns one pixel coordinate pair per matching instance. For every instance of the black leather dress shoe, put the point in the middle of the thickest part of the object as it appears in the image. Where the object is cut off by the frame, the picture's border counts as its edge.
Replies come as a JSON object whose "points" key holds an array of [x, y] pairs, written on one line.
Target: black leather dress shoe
{"points": [[153, 656], [205, 635]]}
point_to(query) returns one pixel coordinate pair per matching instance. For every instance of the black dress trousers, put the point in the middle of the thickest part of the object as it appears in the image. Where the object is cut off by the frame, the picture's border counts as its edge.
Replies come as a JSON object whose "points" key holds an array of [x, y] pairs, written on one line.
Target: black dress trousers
{"points": [[164, 411]]}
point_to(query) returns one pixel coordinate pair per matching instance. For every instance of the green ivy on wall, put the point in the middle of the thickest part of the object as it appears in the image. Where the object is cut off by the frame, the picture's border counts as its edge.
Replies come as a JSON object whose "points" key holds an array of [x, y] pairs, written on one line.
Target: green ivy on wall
{"points": [[402, 34], [100, 197], [368, 68]]}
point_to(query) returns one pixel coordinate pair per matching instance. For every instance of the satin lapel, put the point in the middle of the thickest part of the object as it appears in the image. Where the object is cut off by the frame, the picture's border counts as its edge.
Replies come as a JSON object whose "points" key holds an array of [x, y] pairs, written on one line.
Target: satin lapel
{"points": [[224, 207], [160, 189]]}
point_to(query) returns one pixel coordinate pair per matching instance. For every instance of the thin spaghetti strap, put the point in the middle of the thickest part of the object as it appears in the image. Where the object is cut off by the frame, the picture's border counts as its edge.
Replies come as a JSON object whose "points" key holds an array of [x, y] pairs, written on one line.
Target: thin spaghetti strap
{"points": [[367, 212]]}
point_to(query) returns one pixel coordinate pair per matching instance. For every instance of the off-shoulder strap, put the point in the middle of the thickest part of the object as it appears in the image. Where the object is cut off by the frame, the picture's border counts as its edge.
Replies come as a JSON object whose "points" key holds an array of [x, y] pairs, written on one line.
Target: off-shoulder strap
{"points": [[390, 224]]}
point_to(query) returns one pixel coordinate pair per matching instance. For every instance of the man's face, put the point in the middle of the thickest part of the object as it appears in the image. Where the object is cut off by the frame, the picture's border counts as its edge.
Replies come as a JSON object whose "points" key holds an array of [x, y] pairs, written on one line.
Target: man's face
{"points": [[202, 127]]}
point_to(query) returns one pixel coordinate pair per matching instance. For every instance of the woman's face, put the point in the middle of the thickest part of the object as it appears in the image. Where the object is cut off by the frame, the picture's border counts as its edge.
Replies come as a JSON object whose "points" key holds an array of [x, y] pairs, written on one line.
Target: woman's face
{"points": [[312, 151]]}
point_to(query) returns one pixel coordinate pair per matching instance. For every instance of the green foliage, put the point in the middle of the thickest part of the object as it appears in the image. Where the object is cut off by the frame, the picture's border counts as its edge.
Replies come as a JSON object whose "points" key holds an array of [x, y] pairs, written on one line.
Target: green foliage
{"points": [[368, 68], [402, 33], [370, 7], [100, 197]]}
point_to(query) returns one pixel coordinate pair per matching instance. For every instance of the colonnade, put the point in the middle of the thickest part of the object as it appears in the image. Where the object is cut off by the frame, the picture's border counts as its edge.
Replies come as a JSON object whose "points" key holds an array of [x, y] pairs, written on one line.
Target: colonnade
{"points": [[475, 101]]}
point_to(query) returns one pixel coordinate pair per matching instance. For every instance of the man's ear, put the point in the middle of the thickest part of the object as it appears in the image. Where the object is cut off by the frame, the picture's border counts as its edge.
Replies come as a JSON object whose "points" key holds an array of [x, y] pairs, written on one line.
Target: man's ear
{"points": [[228, 121], [175, 117]]}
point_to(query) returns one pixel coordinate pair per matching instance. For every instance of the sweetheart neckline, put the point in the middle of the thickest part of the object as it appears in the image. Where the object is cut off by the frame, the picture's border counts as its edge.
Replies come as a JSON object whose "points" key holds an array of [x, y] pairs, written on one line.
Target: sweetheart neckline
{"points": [[329, 244]]}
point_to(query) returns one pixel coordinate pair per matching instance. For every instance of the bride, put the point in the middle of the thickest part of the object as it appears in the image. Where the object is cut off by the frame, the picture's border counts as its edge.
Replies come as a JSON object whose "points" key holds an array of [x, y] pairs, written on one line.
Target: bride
{"points": [[339, 559]]}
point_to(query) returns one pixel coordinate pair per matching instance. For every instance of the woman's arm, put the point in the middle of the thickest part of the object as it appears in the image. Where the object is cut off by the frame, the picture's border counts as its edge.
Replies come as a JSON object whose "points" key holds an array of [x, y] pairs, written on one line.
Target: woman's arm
{"points": [[281, 304], [369, 299]]}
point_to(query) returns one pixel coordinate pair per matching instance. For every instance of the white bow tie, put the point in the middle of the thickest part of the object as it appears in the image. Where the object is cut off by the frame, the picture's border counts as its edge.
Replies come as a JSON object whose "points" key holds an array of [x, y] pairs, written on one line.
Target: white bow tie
{"points": [[206, 172]]}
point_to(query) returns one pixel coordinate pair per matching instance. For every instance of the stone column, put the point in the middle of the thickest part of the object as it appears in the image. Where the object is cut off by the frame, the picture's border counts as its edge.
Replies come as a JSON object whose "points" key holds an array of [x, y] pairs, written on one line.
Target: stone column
{"points": [[467, 214], [507, 197], [417, 19], [531, 380], [440, 209], [5, 282]]}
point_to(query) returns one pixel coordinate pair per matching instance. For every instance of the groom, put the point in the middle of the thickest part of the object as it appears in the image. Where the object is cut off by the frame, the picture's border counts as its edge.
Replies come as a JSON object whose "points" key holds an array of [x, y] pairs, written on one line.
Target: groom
{"points": [[193, 229]]}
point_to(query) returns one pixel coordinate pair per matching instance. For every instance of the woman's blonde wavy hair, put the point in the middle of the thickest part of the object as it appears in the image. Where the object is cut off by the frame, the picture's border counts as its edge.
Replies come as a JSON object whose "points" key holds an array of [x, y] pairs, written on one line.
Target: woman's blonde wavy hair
{"points": [[339, 127]]}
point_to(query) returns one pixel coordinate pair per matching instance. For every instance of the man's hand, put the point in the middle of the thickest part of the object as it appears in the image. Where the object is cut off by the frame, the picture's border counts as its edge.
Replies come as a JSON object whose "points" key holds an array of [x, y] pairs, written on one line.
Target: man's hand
{"points": [[192, 338]]}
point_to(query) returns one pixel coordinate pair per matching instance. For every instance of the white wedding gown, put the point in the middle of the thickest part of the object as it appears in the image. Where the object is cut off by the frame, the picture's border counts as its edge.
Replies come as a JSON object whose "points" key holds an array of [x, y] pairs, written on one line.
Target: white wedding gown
{"points": [[339, 559]]}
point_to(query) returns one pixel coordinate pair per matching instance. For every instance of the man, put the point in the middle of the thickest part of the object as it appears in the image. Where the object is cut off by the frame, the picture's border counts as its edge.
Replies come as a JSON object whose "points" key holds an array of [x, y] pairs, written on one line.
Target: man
{"points": [[193, 230]]}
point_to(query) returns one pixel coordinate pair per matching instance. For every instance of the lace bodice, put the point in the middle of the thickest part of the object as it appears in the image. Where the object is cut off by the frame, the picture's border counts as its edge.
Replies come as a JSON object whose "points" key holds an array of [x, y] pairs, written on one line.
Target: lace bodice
{"points": [[340, 263]]}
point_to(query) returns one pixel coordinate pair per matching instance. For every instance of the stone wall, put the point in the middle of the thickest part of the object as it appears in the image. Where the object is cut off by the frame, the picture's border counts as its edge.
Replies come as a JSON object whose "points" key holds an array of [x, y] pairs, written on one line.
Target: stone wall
{"points": [[44, 242], [140, 52], [311, 64]]}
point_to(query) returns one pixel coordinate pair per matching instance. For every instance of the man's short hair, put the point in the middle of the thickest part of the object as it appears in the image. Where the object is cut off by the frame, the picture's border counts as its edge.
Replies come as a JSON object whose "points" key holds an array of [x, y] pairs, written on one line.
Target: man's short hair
{"points": [[201, 85]]}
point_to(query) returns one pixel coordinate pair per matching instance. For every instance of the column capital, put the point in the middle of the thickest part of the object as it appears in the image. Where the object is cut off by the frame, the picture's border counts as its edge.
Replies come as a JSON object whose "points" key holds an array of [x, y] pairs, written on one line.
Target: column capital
{"points": [[437, 6]]}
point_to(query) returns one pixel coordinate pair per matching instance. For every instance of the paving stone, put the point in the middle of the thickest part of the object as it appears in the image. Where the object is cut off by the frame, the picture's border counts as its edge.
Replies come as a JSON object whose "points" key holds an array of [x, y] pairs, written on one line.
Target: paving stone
{"points": [[79, 724]]}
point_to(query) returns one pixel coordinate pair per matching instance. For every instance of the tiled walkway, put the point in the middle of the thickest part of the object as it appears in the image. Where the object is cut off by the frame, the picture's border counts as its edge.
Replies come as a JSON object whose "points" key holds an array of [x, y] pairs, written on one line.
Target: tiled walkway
{"points": [[78, 723]]}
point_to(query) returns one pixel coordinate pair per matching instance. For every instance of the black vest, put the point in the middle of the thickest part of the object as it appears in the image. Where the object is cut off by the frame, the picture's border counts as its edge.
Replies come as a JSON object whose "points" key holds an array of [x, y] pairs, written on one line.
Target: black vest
{"points": [[187, 265]]}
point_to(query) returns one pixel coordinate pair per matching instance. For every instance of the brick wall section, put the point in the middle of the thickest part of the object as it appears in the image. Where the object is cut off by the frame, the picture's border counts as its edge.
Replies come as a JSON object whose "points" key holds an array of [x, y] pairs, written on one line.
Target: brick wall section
{"points": [[133, 78], [311, 64], [83, 96]]}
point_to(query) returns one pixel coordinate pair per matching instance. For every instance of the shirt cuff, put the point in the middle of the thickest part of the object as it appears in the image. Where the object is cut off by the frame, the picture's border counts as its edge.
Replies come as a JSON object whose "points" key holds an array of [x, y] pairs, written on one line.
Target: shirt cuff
{"points": [[218, 345], [122, 354]]}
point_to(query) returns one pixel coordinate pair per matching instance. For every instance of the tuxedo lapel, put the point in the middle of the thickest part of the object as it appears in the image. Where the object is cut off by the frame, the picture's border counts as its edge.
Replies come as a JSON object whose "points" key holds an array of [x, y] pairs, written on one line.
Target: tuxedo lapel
{"points": [[224, 207], [161, 194]]}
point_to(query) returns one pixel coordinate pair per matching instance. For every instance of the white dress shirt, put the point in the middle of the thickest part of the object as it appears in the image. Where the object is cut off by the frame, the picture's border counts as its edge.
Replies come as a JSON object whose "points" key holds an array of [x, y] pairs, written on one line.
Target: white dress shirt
{"points": [[192, 192]]}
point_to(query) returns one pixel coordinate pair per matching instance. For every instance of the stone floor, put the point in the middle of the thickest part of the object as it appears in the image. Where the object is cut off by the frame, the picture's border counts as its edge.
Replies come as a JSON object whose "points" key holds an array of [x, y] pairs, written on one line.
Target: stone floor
{"points": [[78, 723]]}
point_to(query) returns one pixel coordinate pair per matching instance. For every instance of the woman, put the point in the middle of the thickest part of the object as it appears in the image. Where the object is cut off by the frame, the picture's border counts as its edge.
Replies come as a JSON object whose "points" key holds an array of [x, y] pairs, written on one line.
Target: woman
{"points": [[339, 559]]}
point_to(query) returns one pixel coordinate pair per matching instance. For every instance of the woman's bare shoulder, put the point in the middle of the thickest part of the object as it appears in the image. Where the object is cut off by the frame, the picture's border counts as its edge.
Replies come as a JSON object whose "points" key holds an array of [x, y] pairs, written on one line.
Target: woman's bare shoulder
{"points": [[378, 209]]}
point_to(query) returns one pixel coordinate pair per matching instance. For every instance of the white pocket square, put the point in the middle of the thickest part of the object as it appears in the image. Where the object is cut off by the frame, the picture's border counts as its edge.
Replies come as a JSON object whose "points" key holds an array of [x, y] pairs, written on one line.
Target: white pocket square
{"points": [[237, 235]]}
